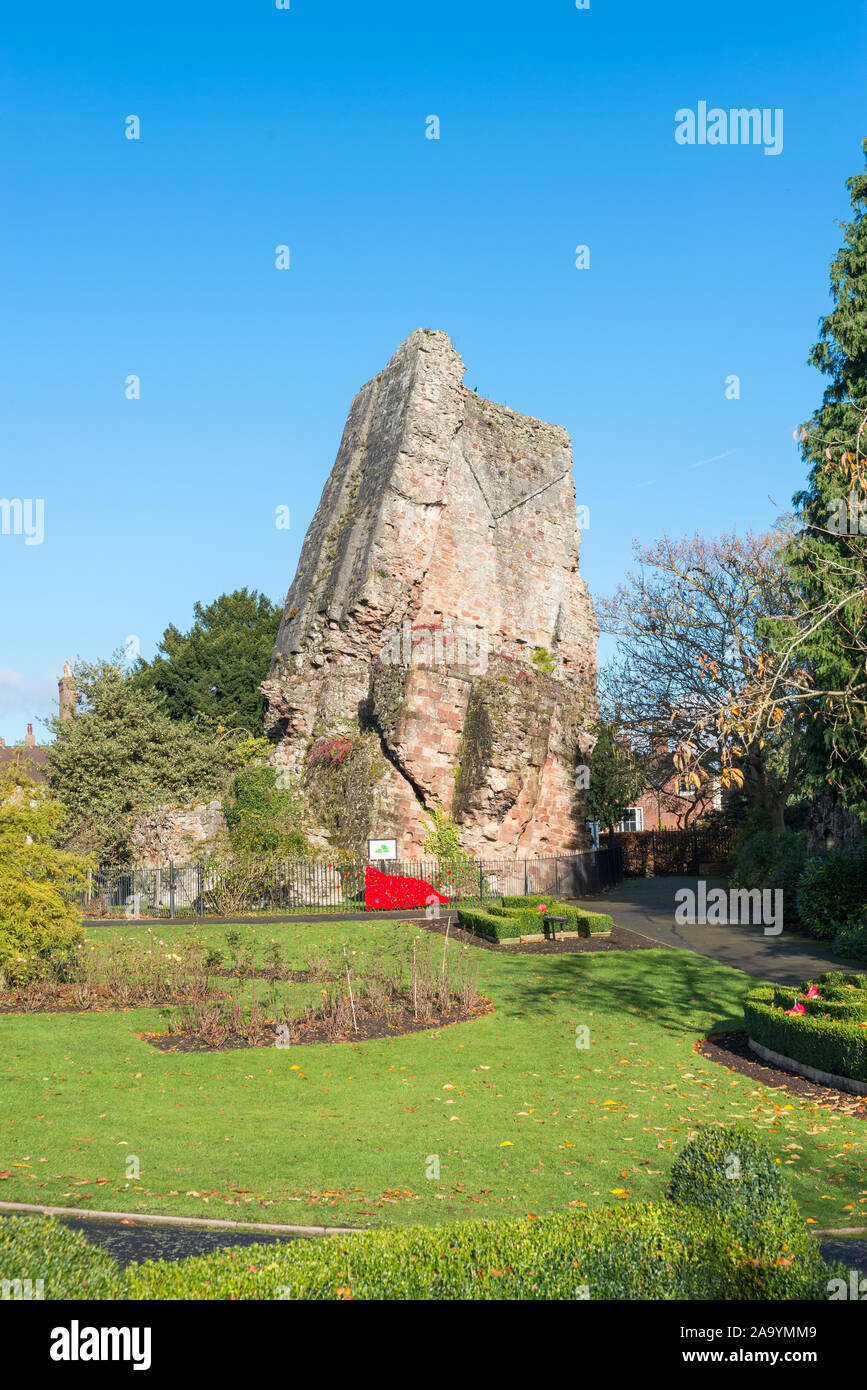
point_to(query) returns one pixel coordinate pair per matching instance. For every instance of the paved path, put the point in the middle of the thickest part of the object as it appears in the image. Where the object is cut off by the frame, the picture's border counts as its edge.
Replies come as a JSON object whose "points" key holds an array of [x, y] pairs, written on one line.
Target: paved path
{"points": [[647, 905]]}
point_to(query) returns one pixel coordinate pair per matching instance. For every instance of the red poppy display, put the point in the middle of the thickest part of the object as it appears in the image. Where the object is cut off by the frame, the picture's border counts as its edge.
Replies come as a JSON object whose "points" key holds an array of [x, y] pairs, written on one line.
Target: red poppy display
{"points": [[395, 891]]}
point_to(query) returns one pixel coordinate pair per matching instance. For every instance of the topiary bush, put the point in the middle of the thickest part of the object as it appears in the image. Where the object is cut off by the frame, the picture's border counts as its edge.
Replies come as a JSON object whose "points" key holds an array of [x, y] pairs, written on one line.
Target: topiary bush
{"points": [[482, 923], [525, 921], [730, 1173], [587, 923], [580, 920], [832, 892], [528, 900]]}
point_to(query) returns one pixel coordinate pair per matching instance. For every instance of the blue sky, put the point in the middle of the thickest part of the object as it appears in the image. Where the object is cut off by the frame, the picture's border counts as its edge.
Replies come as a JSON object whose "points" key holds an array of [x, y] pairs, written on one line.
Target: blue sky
{"points": [[306, 127]]}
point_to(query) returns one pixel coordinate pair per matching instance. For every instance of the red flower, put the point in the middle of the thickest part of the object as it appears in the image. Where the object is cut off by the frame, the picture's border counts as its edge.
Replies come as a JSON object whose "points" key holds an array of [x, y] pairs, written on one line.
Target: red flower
{"points": [[795, 1009]]}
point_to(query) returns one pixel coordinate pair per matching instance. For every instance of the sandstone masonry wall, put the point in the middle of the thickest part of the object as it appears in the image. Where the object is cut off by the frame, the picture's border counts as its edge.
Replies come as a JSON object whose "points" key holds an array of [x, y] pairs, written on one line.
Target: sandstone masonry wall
{"points": [[444, 514]]}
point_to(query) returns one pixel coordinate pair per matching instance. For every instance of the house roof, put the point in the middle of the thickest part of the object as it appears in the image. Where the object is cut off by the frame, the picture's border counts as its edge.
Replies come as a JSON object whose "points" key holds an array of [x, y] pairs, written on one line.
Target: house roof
{"points": [[30, 760]]}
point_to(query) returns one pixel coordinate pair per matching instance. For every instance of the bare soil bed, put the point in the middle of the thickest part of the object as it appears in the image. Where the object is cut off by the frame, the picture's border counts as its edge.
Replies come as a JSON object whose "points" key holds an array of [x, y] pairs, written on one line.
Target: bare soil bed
{"points": [[733, 1050], [315, 1031]]}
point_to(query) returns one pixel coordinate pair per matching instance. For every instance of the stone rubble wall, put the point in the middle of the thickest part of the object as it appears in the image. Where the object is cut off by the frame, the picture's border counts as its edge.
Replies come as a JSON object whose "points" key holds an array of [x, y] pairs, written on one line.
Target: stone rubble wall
{"points": [[173, 833]]}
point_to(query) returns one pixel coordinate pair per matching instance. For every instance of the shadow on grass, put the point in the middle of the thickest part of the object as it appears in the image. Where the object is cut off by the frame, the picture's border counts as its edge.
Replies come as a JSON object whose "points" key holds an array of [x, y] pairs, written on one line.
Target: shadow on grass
{"points": [[674, 989]]}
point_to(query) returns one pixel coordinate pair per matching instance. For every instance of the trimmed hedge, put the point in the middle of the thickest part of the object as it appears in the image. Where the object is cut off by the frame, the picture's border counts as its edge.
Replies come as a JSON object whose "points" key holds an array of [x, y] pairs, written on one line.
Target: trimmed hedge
{"points": [[599, 923], [500, 923], [36, 1247], [594, 922], [482, 923], [831, 1036], [644, 1252], [529, 900]]}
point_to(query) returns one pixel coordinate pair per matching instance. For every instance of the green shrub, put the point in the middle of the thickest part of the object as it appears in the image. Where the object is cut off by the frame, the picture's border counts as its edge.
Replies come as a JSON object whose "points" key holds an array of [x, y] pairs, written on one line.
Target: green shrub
{"points": [[643, 1252], [39, 920], [33, 1247], [38, 939], [266, 815], [854, 1011], [851, 939], [596, 923], [580, 920], [728, 1172], [832, 892], [832, 1038], [838, 984], [525, 922], [528, 900], [771, 859]]}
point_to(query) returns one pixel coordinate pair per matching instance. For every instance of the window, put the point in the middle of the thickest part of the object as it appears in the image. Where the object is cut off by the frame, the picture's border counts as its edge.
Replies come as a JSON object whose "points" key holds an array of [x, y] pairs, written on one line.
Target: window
{"points": [[633, 820]]}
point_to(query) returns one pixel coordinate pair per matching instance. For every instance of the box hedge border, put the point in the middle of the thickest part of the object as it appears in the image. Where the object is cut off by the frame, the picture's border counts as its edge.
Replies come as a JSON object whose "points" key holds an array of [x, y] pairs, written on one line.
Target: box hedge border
{"points": [[597, 923], [832, 1045]]}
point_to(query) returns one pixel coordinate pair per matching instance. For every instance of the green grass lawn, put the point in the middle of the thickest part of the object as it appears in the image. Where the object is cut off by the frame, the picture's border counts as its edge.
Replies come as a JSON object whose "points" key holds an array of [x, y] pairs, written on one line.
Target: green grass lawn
{"points": [[520, 1120]]}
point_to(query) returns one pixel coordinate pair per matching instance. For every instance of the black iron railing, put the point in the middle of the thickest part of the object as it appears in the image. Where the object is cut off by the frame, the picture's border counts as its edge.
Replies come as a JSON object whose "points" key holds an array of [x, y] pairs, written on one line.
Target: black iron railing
{"points": [[305, 886]]}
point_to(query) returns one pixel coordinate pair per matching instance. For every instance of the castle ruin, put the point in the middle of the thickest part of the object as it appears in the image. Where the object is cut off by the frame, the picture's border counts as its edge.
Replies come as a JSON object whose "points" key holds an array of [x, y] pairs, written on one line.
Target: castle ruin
{"points": [[437, 653]]}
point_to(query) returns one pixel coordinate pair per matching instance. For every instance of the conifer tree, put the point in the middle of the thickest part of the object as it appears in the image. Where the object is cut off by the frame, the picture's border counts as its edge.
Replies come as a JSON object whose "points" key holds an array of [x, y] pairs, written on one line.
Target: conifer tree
{"points": [[828, 558]]}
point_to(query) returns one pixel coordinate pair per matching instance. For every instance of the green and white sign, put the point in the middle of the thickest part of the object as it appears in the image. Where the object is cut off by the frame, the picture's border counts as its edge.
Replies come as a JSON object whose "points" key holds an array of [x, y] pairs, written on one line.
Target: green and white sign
{"points": [[382, 849]]}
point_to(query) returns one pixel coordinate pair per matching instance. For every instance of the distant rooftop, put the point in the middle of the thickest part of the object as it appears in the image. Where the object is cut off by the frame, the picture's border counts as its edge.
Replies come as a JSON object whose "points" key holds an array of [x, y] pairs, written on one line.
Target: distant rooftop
{"points": [[27, 755]]}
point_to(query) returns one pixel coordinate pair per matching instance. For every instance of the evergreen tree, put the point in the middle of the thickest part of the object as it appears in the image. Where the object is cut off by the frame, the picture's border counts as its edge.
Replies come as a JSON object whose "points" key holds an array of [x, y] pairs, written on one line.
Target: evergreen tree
{"points": [[216, 668], [616, 776], [121, 756], [828, 559]]}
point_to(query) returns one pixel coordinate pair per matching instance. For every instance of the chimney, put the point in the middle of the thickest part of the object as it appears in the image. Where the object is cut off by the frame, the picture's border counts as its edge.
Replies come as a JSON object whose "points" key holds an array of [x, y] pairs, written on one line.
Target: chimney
{"points": [[30, 741], [66, 692]]}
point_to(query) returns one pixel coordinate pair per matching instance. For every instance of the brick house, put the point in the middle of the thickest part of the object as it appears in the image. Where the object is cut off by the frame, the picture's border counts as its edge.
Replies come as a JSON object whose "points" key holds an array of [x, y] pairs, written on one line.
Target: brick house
{"points": [[667, 802]]}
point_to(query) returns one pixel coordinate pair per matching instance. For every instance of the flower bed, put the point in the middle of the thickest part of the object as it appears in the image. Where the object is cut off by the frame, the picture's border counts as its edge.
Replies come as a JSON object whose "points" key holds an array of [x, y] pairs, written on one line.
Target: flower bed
{"points": [[820, 1026]]}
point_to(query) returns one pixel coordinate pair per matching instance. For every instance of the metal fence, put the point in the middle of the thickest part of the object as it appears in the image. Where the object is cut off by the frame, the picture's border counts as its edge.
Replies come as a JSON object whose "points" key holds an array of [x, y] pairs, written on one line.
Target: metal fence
{"points": [[297, 886], [647, 853]]}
